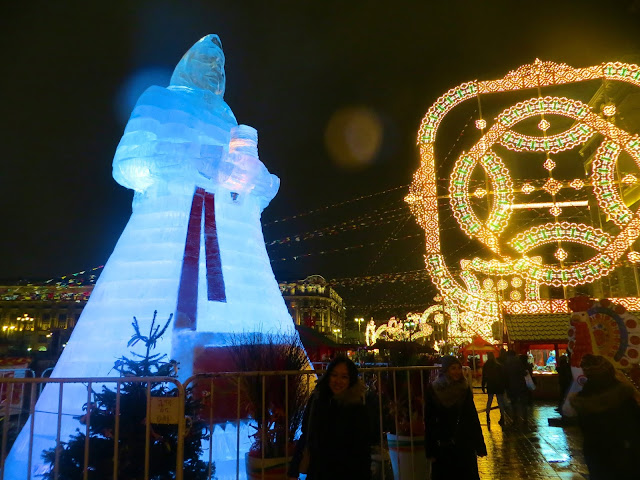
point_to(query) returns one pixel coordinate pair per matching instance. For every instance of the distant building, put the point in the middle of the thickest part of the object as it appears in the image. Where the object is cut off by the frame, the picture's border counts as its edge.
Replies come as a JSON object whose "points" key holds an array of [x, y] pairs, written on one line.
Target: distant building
{"points": [[313, 303], [39, 318]]}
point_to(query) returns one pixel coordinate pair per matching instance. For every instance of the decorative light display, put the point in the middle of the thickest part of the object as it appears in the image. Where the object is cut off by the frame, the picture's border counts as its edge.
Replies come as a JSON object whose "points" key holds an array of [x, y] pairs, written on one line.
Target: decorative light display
{"points": [[479, 192], [487, 284], [555, 210], [527, 188], [549, 164], [609, 110], [516, 282], [481, 124], [576, 184], [629, 179], [413, 328], [552, 143], [502, 284], [544, 125], [578, 203], [561, 254], [563, 231], [604, 185], [552, 186], [477, 310], [515, 295], [634, 256]]}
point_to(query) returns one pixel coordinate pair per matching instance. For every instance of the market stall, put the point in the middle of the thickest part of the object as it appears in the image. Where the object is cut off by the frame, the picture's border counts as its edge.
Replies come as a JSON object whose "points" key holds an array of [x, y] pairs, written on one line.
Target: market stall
{"points": [[543, 338]]}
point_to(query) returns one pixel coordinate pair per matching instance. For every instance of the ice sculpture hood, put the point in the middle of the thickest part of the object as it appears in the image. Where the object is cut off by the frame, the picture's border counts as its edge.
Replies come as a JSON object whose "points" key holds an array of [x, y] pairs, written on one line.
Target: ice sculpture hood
{"points": [[202, 67]]}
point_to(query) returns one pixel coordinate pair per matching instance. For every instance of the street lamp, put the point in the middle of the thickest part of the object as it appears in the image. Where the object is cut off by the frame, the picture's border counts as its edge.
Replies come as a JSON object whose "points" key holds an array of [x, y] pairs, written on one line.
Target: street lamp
{"points": [[359, 321], [409, 325], [336, 331]]}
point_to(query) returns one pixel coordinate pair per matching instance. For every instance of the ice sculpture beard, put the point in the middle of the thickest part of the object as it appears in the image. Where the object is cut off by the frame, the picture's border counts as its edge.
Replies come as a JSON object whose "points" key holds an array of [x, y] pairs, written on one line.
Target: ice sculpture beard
{"points": [[202, 68]]}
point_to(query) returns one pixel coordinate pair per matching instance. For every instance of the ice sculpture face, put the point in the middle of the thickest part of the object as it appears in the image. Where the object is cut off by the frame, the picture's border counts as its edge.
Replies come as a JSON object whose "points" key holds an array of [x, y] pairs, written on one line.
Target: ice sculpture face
{"points": [[202, 67]]}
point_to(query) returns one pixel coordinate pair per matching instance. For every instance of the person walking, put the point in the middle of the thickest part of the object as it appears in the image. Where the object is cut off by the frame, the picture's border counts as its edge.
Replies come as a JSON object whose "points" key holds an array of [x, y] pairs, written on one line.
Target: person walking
{"points": [[494, 385], [609, 417], [453, 436], [564, 378], [516, 386], [335, 428]]}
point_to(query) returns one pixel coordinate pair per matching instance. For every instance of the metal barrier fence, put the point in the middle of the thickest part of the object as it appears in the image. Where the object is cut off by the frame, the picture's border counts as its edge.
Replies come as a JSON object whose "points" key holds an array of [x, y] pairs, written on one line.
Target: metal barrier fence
{"points": [[224, 419]]}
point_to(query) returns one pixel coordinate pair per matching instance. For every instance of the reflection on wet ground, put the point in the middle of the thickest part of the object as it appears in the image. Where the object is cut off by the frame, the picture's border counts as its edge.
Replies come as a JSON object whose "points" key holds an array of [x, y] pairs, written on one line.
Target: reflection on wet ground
{"points": [[533, 450]]}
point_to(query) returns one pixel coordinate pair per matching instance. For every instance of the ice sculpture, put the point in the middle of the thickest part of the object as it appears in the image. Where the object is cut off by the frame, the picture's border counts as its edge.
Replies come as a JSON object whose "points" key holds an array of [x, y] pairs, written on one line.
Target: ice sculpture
{"points": [[193, 245]]}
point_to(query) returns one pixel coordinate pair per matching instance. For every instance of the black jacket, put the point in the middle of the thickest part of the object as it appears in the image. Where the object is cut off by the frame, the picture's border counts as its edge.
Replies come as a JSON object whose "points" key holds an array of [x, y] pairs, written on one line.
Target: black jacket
{"points": [[493, 377], [337, 432], [453, 437], [609, 418]]}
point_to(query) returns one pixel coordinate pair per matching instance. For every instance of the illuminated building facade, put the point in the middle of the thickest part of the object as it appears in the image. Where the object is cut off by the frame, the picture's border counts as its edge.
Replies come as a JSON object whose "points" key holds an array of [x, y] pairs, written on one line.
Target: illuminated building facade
{"points": [[41, 317], [313, 303], [37, 318]]}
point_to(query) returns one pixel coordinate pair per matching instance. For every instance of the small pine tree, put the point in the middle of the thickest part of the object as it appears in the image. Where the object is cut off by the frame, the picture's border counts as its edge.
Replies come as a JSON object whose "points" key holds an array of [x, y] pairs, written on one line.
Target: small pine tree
{"points": [[132, 433]]}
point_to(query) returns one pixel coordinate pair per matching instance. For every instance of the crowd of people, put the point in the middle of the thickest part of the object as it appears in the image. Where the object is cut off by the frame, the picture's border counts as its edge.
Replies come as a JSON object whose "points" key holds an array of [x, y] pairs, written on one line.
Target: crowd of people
{"points": [[509, 379], [337, 426]]}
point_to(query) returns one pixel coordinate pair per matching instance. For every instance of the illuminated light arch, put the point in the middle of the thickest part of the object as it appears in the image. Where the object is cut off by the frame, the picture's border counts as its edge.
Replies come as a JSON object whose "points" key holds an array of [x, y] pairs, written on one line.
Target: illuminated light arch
{"points": [[603, 179], [423, 199], [552, 144], [502, 198], [563, 231], [470, 280]]}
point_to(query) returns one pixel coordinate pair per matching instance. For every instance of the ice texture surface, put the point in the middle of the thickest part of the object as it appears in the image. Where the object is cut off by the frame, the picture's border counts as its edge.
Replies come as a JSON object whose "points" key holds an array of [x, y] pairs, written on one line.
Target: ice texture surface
{"points": [[180, 140]]}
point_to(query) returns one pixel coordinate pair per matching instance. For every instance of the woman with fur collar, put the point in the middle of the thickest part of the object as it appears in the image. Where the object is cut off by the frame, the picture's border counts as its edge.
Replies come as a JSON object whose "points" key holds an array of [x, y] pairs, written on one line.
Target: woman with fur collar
{"points": [[453, 437], [335, 427], [609, 417]]}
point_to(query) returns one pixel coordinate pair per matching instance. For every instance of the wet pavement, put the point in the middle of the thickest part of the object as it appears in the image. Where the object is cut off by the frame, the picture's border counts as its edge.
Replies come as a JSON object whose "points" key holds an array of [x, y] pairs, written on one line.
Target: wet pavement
{"points": [[533, 450]]}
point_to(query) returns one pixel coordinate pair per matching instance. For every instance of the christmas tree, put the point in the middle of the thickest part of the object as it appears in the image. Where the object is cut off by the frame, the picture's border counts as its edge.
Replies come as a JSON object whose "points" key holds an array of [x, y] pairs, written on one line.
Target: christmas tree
{"points": [[133, 431]]}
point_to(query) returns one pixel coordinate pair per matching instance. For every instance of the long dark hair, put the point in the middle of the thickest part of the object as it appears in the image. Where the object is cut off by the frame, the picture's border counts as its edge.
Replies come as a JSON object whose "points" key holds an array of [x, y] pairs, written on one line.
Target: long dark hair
{"points": [[323, 384]]}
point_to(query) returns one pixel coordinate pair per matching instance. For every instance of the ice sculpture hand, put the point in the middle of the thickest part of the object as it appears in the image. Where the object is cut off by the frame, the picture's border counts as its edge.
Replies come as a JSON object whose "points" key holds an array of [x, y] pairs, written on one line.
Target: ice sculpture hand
{"points": [[242, 172]]}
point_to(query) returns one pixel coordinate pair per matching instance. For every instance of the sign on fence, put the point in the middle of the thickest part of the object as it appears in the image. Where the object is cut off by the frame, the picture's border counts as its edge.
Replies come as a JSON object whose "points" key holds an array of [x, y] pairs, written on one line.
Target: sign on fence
{"points": [[165, 410]]}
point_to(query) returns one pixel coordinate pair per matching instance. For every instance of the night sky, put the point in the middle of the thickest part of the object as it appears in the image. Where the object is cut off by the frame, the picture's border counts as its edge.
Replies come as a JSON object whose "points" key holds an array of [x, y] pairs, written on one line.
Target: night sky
{"points": [[294, 70]]}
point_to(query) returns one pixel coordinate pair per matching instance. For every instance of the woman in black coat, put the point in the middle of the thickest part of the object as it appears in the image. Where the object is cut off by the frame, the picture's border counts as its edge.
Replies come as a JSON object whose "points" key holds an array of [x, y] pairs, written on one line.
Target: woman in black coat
{"points": [[335, 428], [453, 437], [609, 418]]}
